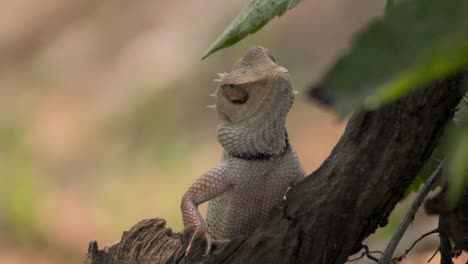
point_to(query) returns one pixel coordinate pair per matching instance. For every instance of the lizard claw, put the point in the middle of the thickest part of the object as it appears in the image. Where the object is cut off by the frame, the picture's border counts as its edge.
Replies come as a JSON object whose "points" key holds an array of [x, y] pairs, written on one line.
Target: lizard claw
{"points": [[196, 233]]}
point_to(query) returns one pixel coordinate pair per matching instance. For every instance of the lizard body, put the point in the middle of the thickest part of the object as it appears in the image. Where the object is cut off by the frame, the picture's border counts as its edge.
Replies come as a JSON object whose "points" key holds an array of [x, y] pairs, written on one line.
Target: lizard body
{"points": [[258, 164]]}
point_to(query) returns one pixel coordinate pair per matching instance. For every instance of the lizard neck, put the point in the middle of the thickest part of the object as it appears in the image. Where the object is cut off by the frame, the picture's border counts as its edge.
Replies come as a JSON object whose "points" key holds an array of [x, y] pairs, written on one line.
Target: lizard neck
{"points": [[255, 140]]}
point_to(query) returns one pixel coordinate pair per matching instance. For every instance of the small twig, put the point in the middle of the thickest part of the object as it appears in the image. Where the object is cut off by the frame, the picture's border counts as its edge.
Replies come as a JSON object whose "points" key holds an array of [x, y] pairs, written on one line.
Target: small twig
{"points": [[357, 258], [433, 255], [457, 252], [425, 189], [419, 239], [369, 256], [414, 244], [366, 253]]}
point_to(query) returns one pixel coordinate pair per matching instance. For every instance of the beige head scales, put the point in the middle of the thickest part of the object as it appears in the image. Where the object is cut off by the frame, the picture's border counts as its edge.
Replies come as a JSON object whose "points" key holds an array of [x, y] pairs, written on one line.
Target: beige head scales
{"points": [[252, 102]]}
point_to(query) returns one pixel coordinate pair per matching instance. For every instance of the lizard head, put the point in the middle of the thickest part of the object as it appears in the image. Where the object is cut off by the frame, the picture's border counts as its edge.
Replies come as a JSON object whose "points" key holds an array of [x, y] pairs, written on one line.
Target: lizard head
{"points": [[255, 86], [252, 102]]}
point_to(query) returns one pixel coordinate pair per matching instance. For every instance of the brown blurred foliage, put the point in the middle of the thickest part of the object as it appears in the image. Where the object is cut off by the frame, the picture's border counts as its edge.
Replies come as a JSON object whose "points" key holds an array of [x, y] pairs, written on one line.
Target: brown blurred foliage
{"points": [[103, 117]]}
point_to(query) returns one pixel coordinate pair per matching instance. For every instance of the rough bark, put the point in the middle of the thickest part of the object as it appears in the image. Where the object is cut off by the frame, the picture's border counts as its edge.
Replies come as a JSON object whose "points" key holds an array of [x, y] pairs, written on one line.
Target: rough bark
{"points": [[326, 216], [445, 247], [453, 219]]}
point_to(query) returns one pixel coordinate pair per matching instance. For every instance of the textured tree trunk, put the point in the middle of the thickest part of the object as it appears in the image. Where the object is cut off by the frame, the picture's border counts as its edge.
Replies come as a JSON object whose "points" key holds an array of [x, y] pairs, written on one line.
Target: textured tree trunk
{"points": [[453, 221], [326, 216]]}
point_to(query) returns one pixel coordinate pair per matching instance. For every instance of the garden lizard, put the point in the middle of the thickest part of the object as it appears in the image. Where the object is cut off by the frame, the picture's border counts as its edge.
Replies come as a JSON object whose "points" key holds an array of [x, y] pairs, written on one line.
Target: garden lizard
{"points": [[258, 163]]}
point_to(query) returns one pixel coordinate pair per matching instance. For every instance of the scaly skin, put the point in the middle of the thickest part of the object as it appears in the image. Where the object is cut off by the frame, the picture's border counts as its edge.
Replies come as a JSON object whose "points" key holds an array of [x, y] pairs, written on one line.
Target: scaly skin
{"points": [[258, 164]]}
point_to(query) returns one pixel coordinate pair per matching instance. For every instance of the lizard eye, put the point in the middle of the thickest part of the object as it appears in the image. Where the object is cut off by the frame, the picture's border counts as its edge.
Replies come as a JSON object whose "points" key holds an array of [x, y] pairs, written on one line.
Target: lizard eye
{"points": [[235, 94]]}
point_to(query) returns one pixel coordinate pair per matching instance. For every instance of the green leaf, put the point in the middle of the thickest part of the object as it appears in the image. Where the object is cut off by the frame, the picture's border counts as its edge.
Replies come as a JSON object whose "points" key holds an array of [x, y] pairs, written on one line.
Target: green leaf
{"points": [[389, 5], [458, 169], [431, 165], [461, 116], [458, 166], [249, 21], [417, 42]]}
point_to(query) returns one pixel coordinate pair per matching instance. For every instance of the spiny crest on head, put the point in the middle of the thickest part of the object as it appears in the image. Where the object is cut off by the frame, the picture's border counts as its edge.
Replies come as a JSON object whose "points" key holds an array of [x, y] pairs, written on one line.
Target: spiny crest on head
{"points": [[256, 56], [221, 76], [257, 64]]}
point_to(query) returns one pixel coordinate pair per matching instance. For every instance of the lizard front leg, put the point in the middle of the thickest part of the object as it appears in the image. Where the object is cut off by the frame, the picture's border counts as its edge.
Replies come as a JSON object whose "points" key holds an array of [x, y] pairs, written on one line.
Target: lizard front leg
{"points": [[209, 186]]}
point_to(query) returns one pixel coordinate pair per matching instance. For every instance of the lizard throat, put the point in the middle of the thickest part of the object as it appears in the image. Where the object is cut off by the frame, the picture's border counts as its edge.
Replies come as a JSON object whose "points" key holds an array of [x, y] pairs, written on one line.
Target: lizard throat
{"points": [[262, 156], [260, 137], [256, 141]]}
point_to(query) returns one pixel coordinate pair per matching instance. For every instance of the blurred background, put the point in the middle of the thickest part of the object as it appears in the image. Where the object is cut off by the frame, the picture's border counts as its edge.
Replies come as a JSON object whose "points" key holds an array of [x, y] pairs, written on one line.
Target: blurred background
{"points": [[103, 117]]}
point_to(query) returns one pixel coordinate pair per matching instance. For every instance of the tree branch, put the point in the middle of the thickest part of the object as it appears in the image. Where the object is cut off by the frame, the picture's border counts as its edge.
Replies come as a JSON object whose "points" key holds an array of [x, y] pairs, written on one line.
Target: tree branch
{"points": [[454, 219], [445, 248], [405, 222], [326, 217], [398, 259]]}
